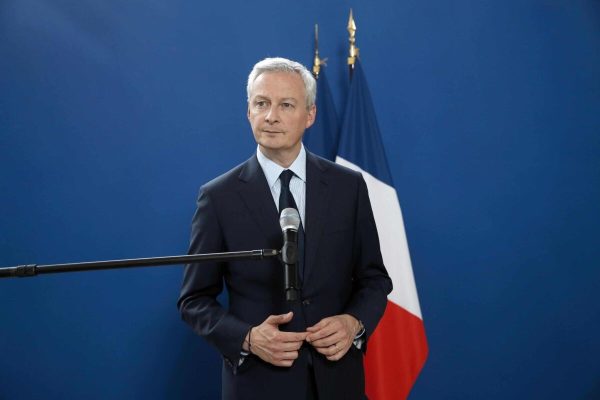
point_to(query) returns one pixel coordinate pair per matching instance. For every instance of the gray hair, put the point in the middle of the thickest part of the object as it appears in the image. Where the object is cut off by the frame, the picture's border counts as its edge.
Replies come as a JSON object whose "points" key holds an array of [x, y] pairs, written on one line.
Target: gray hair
{"points": [[278, 64]]}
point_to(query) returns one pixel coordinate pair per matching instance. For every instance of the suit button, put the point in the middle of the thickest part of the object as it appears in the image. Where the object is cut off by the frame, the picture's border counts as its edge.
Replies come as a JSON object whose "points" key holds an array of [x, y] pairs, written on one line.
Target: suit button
{"points": [[306, 302]]}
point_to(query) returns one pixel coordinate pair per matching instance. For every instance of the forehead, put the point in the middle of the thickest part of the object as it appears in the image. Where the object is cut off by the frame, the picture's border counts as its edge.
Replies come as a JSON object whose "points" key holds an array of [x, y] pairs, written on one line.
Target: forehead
{"points": [[276, 84]]}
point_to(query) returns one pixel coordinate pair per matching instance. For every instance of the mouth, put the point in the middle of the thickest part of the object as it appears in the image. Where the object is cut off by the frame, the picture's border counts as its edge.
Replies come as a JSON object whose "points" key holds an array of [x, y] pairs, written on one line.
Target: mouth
{"points": [[271, 132]]}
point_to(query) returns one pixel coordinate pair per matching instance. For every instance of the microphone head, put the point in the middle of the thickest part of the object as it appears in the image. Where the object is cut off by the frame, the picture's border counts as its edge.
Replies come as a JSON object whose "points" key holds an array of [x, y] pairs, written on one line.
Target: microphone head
{"points": [[289, 219]]}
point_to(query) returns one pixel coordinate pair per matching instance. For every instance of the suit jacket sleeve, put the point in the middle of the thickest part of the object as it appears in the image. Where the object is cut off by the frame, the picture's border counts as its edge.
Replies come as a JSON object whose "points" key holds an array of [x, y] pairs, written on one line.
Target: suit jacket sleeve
{"points": [[202, 283], [370, 278]]}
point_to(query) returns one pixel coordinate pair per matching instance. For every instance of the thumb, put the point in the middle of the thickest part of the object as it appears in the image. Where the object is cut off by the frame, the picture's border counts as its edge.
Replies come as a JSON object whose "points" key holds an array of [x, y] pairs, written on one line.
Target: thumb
{"points": [[280, 319]]}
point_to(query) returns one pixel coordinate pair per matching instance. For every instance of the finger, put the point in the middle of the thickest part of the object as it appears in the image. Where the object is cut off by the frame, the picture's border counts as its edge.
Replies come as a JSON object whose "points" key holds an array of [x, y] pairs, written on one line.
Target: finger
{"points": [[285, 359], [291, 346], [291, 336], [277, 344], [279, 319], [284, 363], [329, 341], [329, 350], [286, 346], [284, 355], [321, 333], [319, 325], [337, 356], [323, 350], [324, 330], [289, 355]]}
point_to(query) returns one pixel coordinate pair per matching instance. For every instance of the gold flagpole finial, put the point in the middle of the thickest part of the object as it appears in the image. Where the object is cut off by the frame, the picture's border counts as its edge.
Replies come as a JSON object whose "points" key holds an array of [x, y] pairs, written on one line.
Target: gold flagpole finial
{"points": [[352, 40]]}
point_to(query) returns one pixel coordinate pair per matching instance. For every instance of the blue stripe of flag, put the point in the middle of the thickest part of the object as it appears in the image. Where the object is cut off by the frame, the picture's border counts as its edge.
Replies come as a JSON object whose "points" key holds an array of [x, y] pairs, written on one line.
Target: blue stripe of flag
{"points": [[360, 140], [322, 138]]}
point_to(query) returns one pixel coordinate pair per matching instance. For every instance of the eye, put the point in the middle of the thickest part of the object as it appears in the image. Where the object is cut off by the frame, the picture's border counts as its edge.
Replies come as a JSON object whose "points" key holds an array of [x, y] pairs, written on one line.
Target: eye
{"points": [[287, 105], [260, 104]]}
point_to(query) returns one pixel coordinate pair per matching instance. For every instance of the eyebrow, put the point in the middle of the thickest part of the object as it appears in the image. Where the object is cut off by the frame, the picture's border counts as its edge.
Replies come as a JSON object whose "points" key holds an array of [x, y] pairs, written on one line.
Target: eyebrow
{"points": [[285, 99]]}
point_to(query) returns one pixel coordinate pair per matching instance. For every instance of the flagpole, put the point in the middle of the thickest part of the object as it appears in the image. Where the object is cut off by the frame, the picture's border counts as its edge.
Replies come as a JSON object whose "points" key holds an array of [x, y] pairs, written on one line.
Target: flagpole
{"points": [[322, 137], [317, 60], [398, 347]]}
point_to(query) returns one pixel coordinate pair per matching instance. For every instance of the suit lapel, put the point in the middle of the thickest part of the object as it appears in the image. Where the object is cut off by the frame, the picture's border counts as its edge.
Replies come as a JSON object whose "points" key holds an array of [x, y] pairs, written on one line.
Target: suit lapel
{"points": [[317, 203], [256, 194]]}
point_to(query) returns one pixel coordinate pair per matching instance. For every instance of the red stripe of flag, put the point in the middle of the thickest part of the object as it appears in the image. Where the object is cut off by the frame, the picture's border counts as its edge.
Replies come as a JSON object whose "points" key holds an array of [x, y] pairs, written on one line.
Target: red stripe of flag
{"points": [[395, 355]]}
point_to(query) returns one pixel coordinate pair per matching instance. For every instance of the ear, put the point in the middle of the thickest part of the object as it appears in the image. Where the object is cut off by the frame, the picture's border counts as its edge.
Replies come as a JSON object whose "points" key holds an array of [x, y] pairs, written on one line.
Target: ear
{"points": [[248, 112], [312, 114]]}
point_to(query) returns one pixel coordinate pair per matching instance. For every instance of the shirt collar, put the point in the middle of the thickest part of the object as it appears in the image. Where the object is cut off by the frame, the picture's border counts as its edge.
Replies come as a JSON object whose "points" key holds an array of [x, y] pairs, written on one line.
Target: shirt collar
{"points": [[272, 170]]}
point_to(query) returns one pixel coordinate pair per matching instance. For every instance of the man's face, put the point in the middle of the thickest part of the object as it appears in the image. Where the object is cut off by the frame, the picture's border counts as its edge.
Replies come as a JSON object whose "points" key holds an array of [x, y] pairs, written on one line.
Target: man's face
{"points": [[277, 113]]}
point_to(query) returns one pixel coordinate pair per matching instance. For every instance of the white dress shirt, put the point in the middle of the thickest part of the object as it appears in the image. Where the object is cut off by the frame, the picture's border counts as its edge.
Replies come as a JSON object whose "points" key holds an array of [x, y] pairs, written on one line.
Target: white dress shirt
{"points": [[272, 170]]}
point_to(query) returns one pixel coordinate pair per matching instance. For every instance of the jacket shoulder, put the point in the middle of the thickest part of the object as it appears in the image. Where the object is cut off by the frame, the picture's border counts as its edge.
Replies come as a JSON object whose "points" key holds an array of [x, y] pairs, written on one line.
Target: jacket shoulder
{"points": [[230, 178], [332, 169]]}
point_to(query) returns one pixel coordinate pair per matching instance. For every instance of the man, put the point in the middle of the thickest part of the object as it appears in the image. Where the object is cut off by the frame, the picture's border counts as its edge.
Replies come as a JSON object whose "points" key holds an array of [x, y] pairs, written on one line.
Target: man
{"points": [[272, 348]]}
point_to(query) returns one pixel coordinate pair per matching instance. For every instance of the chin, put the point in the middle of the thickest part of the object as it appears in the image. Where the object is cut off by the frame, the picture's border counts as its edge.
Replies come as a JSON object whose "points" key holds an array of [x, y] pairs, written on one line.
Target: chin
{"points": [[271, 144]]}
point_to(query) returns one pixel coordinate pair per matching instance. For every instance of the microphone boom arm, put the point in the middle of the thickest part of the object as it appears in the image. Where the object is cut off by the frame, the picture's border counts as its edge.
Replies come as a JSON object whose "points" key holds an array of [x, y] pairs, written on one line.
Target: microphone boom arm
{"points": [[23, 271]]}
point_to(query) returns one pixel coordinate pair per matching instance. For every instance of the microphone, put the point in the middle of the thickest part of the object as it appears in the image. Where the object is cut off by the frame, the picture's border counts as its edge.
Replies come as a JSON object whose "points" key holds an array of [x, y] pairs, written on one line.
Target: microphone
{"points": [[290, 223]]}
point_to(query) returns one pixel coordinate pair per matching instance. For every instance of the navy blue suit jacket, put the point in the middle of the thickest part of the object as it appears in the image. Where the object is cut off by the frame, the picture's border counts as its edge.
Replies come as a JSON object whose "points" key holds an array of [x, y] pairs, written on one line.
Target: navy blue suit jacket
{"points": [[344, 273]]}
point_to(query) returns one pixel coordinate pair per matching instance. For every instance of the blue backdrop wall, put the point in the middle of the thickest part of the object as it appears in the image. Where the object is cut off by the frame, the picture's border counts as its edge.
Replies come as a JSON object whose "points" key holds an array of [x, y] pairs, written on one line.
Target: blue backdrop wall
{"points": [[113, 113]]}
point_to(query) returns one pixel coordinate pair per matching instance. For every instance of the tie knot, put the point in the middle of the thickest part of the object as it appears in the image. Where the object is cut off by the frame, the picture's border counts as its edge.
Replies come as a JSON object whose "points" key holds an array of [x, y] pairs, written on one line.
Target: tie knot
{"points": [[286, 177]]}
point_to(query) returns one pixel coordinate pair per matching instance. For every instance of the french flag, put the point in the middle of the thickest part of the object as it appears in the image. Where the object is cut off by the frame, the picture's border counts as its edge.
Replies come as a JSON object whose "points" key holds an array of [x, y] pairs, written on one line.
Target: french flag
{"points": [[397, 350]]}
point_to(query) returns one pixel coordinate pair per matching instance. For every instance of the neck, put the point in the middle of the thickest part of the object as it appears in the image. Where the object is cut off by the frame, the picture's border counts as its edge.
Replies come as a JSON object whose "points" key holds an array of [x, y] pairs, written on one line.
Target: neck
{"points": [[284, 158]]}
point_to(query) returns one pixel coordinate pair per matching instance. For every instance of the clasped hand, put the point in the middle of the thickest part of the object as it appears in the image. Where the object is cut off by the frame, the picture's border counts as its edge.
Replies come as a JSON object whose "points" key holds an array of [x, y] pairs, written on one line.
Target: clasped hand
{"points": [[332, 337]]}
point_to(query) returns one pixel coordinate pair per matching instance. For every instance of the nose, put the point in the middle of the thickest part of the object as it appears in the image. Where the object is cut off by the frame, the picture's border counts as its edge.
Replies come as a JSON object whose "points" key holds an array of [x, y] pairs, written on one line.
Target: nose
{"points": [[272, 115]]}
